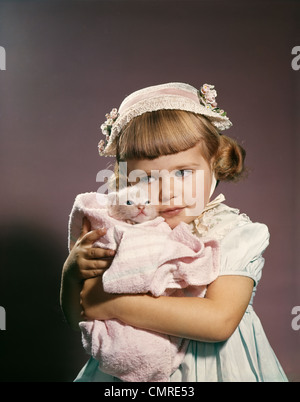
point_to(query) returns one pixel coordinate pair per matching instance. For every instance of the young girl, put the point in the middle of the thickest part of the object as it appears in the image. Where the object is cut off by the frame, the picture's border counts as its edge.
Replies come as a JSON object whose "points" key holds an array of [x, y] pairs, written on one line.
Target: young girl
{"points": [[175, 128]]}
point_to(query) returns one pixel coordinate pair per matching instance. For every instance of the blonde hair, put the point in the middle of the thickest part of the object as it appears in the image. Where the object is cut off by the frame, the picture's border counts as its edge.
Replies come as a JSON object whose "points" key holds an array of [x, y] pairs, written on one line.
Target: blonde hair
{"points": [[166, 132]]}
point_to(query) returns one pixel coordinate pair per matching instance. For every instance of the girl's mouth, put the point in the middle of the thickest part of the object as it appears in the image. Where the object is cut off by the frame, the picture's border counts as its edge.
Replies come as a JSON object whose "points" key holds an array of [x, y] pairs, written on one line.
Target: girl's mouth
{"points": [[168, 213]]}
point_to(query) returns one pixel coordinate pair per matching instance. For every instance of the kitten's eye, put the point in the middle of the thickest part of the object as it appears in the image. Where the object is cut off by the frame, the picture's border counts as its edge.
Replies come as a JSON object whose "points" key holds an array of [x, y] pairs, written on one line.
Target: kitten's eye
{"points": [[147, 202], [183, 172], [128, 202]]}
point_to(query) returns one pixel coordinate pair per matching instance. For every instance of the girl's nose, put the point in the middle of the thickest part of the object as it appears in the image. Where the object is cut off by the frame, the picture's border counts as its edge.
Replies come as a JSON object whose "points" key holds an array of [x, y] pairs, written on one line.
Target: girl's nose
{"points": [[166, 193]]}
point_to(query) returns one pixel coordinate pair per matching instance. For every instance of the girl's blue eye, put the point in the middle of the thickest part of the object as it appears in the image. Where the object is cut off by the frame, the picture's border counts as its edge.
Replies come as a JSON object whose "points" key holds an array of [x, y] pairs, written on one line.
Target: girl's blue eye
{"points": [[183, 172], [128, 202], [147, 179]]}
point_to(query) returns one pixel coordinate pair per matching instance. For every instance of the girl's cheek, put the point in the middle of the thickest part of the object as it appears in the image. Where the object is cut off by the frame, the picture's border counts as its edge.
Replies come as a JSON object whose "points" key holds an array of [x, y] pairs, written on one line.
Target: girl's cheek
{"points": [[195, 190]]}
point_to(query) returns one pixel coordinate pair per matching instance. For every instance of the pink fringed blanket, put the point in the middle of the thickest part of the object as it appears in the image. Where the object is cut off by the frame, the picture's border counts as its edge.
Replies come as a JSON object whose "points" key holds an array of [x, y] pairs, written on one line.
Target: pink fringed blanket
{"points": [[150, 257]]}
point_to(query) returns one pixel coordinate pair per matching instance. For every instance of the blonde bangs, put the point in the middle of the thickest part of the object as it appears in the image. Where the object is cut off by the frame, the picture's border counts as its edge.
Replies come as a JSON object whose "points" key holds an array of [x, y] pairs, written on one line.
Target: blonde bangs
{"points": [[162, 132], [167, 132]]}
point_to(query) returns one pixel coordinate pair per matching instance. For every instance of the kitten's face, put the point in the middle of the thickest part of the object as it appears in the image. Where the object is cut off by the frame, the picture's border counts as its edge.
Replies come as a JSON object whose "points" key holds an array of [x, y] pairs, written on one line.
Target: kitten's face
{"points": [[131, 203]]}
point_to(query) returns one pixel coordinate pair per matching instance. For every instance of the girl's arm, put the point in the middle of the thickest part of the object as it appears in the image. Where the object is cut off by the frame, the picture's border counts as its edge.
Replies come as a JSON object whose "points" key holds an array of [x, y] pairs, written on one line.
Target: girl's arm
{"points": [[210, 319], [83, 262]]}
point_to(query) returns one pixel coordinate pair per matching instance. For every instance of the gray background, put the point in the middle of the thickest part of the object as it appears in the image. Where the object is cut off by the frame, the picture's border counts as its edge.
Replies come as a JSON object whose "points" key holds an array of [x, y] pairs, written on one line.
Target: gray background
{"points": [[69, 63]]}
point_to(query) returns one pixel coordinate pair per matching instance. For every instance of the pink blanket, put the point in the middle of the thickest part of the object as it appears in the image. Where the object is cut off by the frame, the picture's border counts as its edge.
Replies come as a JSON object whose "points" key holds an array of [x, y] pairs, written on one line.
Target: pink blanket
{"points": [[150, 257]]}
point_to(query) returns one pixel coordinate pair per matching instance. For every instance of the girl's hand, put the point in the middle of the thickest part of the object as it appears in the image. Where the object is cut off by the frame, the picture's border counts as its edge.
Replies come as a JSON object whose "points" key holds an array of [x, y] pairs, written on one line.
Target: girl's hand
{"points": [[85, 261]]}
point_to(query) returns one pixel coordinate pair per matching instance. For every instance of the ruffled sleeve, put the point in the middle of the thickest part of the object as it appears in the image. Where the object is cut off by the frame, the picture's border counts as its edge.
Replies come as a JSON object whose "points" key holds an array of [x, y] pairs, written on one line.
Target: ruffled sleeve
{"points": [[242, 249]]}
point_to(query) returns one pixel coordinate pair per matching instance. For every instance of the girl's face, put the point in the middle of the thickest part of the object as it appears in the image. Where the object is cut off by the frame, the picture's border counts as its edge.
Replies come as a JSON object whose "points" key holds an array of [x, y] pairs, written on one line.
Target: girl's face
{"points": [[179, 184]]}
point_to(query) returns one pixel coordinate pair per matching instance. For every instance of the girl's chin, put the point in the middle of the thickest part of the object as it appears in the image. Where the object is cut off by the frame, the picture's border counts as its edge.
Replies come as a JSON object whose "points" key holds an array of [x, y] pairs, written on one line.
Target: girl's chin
{"points": [[174, 221]]}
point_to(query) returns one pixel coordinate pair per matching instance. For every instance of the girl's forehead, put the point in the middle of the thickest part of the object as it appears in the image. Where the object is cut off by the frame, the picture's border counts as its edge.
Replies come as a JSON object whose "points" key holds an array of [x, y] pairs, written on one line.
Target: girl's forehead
{"points": [[191, 158]]}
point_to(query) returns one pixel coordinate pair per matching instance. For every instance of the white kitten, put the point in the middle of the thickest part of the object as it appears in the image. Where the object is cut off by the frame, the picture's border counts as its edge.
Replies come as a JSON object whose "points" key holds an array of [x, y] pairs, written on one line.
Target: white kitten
{"points": [[131, 204]]}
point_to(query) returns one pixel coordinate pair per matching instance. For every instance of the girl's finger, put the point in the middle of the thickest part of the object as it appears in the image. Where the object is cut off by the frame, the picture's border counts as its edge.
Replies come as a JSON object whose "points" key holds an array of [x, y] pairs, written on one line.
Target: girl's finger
{"points": [[92, 273], [92, 236], [95, 268], [96, 253], [85, 228], [98, 264]]}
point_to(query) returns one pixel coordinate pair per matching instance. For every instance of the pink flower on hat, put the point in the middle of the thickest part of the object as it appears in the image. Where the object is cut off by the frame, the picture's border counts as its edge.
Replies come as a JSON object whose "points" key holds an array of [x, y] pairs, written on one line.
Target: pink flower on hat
{"points": [[211, 96], [101, 147], [114, 114], [110, 119], [207, 95], [205, 88], [106, 129]]}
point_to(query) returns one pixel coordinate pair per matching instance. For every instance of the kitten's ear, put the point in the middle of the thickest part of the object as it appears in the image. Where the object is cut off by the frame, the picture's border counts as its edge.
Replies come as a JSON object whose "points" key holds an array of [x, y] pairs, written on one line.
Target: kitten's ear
{"points": [[112, 198]]}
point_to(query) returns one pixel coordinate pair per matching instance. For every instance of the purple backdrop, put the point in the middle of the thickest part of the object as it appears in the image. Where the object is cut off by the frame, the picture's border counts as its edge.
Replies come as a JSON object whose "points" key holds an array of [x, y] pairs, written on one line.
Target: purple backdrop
{"points": [[70, 62]]}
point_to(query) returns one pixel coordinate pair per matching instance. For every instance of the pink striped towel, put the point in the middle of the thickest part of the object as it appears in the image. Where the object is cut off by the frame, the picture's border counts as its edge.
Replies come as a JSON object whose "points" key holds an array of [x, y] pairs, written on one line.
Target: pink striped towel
{"points": [[150, 257]]}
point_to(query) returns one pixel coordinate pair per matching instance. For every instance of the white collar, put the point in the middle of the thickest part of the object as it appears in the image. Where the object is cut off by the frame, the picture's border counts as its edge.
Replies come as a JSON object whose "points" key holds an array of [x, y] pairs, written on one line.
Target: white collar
{"points": [[212, 204]]}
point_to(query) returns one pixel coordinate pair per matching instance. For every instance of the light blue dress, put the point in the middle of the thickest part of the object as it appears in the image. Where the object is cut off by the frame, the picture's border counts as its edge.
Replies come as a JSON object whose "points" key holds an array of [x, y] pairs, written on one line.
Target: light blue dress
{"points": [[247, 355]]}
